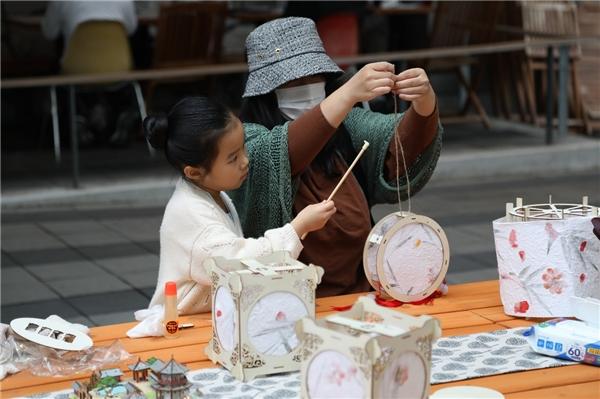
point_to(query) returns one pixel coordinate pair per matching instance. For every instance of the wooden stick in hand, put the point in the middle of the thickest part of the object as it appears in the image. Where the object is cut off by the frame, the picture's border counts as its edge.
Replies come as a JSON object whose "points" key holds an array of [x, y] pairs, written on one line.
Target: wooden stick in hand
{"points": [[363, 149]]}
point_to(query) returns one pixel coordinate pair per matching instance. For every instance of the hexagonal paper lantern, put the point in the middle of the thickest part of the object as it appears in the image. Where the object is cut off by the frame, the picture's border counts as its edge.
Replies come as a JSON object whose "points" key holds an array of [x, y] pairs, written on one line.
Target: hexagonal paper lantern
{"points": [[546, 254], [256, 303], [367, 352]]}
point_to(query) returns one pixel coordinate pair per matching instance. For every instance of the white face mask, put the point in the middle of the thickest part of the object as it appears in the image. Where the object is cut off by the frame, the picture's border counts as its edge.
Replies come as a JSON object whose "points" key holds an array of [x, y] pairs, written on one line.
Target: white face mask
{"points": [[294, 101]]}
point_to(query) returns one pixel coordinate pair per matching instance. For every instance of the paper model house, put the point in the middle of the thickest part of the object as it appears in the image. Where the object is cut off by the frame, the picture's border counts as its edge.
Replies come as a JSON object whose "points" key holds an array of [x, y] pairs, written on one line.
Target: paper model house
{"points": [[367, 352], [546, 253], [256, 303]]}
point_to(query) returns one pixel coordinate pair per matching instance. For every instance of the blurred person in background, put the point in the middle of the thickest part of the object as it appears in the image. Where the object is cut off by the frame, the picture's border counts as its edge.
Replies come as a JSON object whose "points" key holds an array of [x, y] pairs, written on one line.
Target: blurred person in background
{"points": [[95, 40]]}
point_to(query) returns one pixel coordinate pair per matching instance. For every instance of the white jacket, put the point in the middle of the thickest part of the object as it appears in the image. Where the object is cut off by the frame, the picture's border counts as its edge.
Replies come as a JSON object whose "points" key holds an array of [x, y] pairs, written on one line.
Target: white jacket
{"points": [[195, 228]]}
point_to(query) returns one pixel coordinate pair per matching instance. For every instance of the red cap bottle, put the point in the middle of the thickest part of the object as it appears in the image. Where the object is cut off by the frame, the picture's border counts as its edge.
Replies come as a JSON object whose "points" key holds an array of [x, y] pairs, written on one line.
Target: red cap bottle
{"points": [[170, 322]]}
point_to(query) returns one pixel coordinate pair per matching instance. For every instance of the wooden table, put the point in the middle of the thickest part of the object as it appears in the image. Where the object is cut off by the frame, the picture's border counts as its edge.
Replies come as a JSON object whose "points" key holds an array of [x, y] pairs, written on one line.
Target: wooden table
{"points": [[468, 308]]}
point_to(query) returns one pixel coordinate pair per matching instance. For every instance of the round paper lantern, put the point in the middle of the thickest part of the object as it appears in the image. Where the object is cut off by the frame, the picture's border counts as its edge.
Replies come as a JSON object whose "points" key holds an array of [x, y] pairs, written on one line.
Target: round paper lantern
{"points": [[406, 256]]}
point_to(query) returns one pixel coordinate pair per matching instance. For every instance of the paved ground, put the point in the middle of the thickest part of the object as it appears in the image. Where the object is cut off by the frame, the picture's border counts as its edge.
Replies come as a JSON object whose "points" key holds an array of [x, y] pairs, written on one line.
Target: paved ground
{"points": [[91, 255]]}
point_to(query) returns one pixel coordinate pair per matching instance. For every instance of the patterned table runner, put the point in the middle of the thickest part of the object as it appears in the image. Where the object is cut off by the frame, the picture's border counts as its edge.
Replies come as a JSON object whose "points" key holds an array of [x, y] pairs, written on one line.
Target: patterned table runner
{"points": [[453, 359]]}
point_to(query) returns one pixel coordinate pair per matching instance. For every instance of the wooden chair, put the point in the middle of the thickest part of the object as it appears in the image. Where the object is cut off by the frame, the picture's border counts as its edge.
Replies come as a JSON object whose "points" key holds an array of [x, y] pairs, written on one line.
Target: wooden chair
{"points": [[555, 18], [95, 47], [452, 27], [188, 34], [588, 68]]}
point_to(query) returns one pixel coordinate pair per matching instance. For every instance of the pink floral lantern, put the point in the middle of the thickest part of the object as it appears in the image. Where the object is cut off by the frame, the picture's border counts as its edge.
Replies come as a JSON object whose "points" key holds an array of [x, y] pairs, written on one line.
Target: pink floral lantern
{"points": [[546, 253]]}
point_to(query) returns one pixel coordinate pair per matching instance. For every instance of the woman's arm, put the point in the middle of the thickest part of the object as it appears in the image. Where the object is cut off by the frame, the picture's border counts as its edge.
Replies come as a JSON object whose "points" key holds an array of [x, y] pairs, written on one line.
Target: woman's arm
{"points": [[308, 134], [419, 125]]}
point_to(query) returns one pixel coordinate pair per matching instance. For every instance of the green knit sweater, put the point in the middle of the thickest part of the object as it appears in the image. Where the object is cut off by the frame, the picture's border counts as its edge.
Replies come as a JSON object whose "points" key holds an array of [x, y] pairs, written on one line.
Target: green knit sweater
{"points": [[265, 199]]}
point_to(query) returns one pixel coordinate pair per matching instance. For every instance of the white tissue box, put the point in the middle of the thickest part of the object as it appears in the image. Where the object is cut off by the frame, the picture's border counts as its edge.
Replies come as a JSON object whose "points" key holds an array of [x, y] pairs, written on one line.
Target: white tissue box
{"points": [[367, 352], [542, 263], [256, 303]]}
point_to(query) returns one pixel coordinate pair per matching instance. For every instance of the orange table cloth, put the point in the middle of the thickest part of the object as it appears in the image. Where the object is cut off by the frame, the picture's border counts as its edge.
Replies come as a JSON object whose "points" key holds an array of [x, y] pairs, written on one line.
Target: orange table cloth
{"points": [[468, 308]]}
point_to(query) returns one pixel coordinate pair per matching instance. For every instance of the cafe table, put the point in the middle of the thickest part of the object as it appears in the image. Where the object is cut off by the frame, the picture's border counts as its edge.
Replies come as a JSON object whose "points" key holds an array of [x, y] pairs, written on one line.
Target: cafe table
{"points": [[468, 308]]}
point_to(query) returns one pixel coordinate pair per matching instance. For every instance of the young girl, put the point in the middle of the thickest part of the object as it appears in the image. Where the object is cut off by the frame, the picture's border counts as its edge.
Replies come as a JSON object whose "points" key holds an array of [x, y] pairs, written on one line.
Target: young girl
{"points": [[205, 142]]}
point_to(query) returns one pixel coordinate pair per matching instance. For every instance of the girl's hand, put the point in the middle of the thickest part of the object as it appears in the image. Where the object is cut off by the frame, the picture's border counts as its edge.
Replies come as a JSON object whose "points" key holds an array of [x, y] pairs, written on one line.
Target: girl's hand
{"points": [[413, 85], [313, 217]]}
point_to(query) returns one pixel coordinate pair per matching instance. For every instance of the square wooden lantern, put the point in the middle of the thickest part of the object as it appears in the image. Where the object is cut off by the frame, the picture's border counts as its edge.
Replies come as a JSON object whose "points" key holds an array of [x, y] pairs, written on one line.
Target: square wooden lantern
{"points": [[256, 303], [367, 352]]}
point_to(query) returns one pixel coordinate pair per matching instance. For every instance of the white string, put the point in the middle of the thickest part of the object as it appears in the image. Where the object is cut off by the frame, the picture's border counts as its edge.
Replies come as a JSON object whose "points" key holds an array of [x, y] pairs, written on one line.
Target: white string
{"points": [[397, 142]]}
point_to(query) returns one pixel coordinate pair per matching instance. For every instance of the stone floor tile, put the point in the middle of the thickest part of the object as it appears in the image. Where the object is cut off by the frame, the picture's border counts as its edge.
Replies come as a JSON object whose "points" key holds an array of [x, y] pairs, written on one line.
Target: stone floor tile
{"points": [[7, 261], [131, 264], [40, 309], [141, 279], [109, 302], [97, 284], [94, 238], [148, 292], [62, 227], [151, 246], [18, 286], [80, 320], [112, 318], [43, 256], [462, 243], [66, 270], [27, 236], [472, 275], [122, 249], [136, 229]]}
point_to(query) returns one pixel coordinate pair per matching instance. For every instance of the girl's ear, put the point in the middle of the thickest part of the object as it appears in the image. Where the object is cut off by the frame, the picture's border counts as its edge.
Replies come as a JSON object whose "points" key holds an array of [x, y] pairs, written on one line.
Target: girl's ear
{"points": [[193, 173]]}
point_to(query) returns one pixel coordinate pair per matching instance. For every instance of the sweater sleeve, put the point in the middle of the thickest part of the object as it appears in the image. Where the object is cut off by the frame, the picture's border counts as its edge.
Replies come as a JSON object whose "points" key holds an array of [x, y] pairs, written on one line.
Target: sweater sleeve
{"points": [[378, 130], [264, 201], [217, 240]]}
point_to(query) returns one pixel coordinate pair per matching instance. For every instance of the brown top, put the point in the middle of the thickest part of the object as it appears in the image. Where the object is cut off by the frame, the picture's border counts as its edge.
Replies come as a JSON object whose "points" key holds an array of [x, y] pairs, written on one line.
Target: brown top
{"points": [[338, 247]]}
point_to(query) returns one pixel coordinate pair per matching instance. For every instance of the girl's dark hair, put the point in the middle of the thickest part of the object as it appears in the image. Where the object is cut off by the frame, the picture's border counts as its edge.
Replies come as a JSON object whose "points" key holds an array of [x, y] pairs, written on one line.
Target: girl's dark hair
{"points": [[264, 110], [190, 133]]}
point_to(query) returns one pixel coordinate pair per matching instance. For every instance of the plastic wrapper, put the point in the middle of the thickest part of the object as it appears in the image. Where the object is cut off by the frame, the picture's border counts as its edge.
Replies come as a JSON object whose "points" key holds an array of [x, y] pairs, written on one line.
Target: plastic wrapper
{"points": [[43, 361], [566, 339]]}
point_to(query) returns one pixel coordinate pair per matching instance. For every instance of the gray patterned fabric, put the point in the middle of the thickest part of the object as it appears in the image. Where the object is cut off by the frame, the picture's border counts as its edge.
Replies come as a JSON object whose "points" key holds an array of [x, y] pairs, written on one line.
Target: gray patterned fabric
{"points": [[477, 355], [453, 359], [282, 50]]}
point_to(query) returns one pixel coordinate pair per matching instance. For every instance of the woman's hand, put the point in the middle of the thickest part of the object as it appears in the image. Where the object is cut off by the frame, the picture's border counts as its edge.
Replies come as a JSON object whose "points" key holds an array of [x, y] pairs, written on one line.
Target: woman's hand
{"points": [[313, 217], [371, 81], [413, 85]]}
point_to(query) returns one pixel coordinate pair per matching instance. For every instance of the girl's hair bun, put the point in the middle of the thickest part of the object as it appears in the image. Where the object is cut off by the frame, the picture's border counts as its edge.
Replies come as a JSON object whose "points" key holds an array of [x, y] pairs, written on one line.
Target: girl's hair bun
{"points": [[156, 129]]}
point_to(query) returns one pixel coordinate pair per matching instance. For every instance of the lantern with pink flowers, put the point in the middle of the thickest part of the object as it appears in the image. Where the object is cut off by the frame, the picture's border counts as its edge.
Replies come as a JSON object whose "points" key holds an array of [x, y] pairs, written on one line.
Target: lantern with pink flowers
{"points": [[546, 254]]}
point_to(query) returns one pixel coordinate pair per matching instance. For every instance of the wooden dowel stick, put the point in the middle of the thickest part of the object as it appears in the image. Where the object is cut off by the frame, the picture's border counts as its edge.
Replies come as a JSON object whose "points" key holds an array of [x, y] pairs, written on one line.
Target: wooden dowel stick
{"points": [[363, 149]]}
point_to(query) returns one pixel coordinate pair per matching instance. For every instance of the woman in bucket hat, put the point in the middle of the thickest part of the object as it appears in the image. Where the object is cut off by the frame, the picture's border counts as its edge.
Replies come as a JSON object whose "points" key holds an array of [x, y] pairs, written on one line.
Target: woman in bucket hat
{"points": [[300, 141]]}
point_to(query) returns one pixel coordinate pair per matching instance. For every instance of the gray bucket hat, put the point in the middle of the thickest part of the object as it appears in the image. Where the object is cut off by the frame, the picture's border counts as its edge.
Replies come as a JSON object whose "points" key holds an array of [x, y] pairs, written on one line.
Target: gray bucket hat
{"points": [[282, 50]]}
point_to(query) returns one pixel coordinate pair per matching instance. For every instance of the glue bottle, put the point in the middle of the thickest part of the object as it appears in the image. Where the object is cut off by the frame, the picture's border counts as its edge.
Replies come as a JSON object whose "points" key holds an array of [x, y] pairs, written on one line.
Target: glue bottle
{"points": [[170, 323]]}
